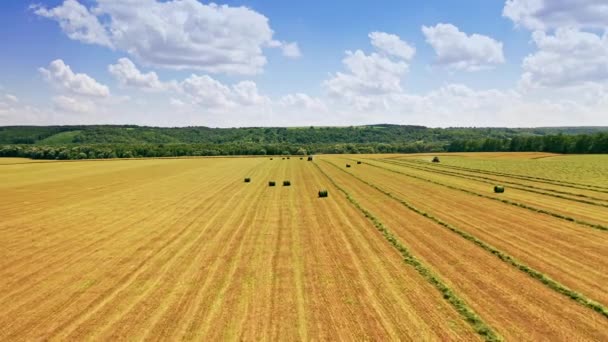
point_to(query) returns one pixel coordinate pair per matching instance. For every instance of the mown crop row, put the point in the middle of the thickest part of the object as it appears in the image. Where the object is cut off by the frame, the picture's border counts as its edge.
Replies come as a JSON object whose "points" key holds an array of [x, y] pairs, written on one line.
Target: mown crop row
{"points": [[516, 204], [488, 180], [574, 185], [544, 279], [482, 328]]}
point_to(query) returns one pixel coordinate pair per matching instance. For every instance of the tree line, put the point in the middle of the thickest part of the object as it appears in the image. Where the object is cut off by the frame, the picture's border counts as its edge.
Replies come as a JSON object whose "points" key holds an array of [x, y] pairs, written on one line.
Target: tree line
{"points": [[558, 143]]}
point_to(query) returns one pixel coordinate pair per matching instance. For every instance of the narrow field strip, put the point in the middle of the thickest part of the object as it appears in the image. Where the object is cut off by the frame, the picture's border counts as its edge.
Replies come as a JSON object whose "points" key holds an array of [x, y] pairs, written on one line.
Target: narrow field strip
{"points": [[573, 185], [516, 204], [482, 328], [493, 181], [549, 282]]}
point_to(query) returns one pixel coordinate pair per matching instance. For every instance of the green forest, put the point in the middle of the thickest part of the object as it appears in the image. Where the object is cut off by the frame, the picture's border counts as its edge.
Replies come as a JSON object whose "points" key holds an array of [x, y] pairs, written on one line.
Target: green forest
{"points": [[127, 141]]}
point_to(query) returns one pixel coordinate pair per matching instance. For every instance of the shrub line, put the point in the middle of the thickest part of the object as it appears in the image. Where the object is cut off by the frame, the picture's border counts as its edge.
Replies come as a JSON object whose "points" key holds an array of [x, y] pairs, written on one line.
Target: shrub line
{"points": [[480, 327], [516, 204], [544, 279]]}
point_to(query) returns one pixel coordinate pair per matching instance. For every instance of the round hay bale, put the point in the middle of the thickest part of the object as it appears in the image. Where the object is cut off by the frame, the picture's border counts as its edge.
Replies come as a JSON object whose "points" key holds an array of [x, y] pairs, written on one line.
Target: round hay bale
{"points": [[358, 163], [323, 193], [286, 183], [247, 180], [309, 158], [435, 159], [499, 189], [270, 158], [272, 183], [347, 165], [301, 158]]}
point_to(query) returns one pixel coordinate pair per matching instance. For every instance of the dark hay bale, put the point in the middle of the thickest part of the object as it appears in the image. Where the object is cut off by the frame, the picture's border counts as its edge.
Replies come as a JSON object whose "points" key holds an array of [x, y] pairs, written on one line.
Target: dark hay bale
{"points": [[287, 157], [358, 163], [347, 165], [283, 158], [499, 189], [270, 158], [301, 158], [310, 158], [323, 193], [286, 183], [435, 159], [247, 180], [272, 183]]}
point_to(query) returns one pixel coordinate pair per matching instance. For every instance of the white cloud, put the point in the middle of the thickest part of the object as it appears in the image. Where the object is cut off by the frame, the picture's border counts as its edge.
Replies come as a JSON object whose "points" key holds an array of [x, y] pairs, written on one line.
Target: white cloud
{"points": [[392, 45], [77, 22], [301, 100], [210, 93], [368, 74], [61, 76], [549, 14], [127, 74], [73, 105], [291, 50], [11, 98], [176, 34], [568, 58], [457, 50]]}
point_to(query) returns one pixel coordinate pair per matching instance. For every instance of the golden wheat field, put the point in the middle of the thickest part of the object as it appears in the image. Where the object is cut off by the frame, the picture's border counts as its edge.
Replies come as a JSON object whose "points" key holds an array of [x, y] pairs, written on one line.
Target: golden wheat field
{"points": [[401, 249]]}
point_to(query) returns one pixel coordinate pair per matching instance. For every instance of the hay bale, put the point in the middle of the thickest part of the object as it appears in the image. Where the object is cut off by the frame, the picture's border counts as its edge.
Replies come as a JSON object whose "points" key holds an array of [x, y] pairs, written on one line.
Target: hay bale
{"points": [[287, 157], [247, 180], [272, 183], [283, 158], [435, 159], [301, 158], [270, 158], [358, 163], [286, 183], [499, 189], [323, 193], [347, 165], [309, 158]]}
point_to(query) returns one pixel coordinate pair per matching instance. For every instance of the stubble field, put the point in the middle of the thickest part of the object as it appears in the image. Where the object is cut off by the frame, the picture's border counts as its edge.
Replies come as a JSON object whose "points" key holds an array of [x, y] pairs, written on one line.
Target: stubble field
{"points": [[183, 249]]}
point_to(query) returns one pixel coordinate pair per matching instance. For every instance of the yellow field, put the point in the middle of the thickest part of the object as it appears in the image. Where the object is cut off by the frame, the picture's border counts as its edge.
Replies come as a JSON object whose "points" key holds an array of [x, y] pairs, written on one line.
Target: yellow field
{"points": [[183, 249]]}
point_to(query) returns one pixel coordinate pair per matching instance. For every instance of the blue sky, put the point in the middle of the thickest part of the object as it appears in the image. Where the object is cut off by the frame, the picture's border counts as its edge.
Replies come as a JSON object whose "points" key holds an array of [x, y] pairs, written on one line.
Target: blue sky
{"points": [[277, 63]]}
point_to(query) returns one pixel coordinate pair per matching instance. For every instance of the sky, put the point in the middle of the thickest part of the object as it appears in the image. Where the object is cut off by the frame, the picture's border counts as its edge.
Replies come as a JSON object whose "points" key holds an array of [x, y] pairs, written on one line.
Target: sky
{"points": [[468, 63]]}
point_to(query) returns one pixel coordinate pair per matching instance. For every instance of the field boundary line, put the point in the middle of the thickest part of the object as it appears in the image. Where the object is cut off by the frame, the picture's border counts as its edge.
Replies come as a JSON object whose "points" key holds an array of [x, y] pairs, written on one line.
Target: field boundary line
{"points": [[544, 279], [516, 204], [567, 184], [470, 316], [487, 180]]}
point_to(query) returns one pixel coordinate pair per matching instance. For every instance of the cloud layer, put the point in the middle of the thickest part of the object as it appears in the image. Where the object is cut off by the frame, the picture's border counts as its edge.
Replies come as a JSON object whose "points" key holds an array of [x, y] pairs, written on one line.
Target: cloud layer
{"points": [[176, 34]]}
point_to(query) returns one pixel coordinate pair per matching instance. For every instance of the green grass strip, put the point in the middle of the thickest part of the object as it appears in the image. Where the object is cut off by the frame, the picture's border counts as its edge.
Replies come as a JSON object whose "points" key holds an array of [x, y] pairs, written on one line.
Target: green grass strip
{"points": [[546, 280], [516, 204], [480, 327], [487, 180]]}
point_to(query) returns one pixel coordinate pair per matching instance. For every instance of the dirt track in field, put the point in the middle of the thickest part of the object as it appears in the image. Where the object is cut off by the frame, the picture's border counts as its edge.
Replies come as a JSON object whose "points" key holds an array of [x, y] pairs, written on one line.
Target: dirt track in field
{"points": [[519, 307], [183, 249]]}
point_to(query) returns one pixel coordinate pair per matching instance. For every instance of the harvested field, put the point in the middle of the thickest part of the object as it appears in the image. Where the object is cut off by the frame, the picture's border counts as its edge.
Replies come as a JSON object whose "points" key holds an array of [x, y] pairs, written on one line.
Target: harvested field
{"points": [[182, 249]]}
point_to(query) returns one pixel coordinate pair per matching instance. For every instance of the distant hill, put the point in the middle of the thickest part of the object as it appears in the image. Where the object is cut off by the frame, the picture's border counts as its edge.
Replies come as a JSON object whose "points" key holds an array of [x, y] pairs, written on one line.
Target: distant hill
{"points": [[94, 142], [381, 133]]}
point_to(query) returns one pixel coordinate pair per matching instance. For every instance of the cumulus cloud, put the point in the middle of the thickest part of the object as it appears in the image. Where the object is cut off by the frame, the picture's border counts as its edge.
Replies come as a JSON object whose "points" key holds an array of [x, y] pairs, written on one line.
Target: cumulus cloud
{"points": [[129, 75], [457, 50], [568, 58], [301, 100], [549, 14], [61, 76], [291, 50], [176, 34], [73, 105], [77, 22], [391, 44], [11, 98], [210, 93]]}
